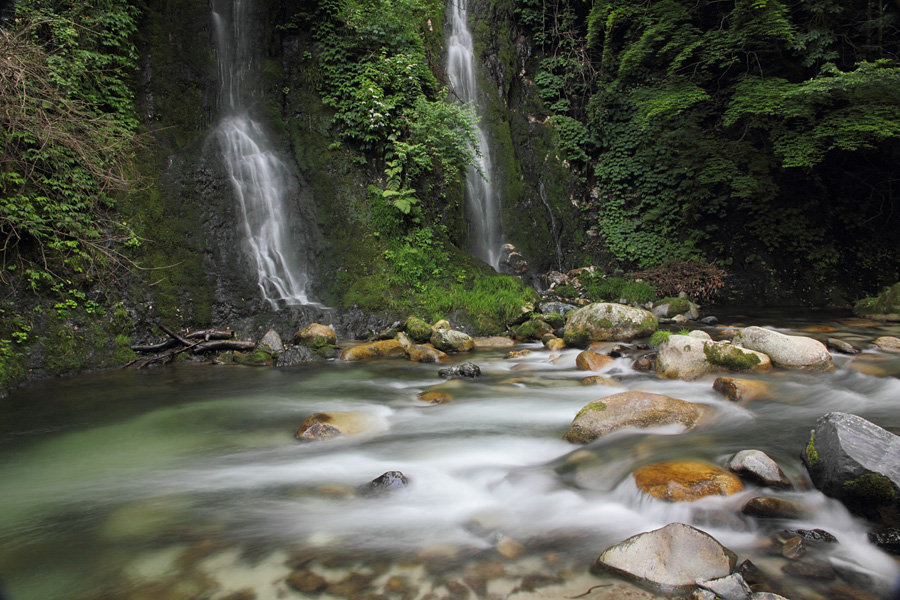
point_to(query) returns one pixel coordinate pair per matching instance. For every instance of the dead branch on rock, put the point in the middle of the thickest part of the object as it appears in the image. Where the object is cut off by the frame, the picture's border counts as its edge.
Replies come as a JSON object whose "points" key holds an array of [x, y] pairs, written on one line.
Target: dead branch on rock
{"points": [[196, 342]]}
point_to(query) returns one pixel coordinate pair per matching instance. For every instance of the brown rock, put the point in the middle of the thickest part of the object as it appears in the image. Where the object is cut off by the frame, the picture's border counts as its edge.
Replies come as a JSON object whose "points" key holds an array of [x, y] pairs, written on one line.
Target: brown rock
{"points": [[518, 353], [738, 390], [425, 353], [555, 344], [592, 361], [494, 342], [383, 349], [510, 548], [599, 380], [332, 424], [684, 481], [350, 587], [642, 364], [773, 508], [794, 548], [316, 334], [888, 343], [306, 582], [434, 397]]}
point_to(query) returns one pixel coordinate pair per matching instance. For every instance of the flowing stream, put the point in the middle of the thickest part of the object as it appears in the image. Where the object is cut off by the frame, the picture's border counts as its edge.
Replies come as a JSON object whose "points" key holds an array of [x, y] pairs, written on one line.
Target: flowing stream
{"points": [[482, 204], [259, 177], [186, 481]]}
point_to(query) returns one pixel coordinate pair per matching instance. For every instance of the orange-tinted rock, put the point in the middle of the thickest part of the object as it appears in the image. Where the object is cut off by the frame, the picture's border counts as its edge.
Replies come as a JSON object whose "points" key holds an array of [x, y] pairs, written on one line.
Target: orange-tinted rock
{"points": [[433, 397], [592, 361], [598, 380], [383, 349], [685, 481], [425, 353], [316, 334], [555, 344], [737, 390]]}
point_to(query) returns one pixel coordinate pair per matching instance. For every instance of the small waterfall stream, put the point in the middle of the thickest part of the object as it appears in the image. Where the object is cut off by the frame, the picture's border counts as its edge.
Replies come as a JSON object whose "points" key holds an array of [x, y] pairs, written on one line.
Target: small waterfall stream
{"points": [[259, 177], [482, 205]]}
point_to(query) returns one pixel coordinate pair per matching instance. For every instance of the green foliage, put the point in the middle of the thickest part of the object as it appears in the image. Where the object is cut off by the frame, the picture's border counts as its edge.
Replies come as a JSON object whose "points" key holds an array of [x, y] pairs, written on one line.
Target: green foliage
{"points": [[67, 130], [612, 289], [660, 337]]}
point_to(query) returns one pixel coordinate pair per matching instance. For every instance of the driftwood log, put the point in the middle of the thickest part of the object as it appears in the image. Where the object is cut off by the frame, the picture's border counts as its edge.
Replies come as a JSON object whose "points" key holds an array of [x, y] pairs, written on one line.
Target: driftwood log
{"points": [[195, 342]]}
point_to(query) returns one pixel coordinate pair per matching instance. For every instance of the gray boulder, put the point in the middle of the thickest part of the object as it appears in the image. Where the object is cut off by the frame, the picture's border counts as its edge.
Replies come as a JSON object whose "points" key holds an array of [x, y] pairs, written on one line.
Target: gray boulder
{"points": [[606, 321], [466, 369], [858, 463], [757, 467], [730, 587], [639, 410], [669, 560], [271, 342], [450, 340], [787, 351]]}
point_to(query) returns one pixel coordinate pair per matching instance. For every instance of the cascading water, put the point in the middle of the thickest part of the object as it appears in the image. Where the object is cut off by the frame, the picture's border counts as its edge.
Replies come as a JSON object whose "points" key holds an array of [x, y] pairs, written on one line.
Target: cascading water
{"points": [[259, 177], [485, 228]]}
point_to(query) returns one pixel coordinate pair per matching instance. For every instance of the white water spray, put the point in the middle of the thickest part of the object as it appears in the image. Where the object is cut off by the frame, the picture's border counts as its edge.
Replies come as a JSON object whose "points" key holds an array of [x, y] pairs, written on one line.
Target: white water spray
{"points": [[482, 206], [259, 178]]}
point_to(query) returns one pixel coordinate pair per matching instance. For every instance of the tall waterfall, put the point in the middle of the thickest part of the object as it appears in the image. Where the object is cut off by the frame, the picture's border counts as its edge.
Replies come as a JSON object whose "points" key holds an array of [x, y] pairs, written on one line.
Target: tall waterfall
{"points": [[482, 206], [259, 177]]}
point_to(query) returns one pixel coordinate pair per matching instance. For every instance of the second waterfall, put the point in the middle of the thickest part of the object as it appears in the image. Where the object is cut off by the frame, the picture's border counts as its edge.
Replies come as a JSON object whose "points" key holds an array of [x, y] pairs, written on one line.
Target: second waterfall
{"points": [[260, 179], [482, 204]]}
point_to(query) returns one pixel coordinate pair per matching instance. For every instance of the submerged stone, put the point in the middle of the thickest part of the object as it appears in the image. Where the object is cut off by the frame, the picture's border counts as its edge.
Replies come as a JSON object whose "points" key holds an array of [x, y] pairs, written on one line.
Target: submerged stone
{"points": [[384, 484], [685, 481], [333, 424]]}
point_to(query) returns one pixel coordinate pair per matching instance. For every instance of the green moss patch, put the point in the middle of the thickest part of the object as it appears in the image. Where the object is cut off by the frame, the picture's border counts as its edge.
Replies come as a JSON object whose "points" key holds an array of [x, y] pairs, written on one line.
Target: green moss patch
{"points": [[871, 487], [730, 357]]}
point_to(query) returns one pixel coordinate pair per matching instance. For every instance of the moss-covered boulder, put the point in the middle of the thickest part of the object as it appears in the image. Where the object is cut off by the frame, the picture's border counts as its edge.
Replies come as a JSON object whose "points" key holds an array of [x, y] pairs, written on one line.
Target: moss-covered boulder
{"points": [[786, 351], [316, 335], [256, 358], [533, 329], [417, 329], [606, 321], [450, 340], [685, 481], [857, 462], [883, 307], [554, 320], [688, 357], [640, 410], [372, 350], [669, 307]]}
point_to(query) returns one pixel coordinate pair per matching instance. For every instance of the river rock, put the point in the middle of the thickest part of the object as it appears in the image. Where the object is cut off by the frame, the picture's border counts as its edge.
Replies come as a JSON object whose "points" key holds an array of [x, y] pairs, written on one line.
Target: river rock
{"points": [[532, 329], [271, 342], [888, 343], [605, 321], [384, 484], [442, 324], [787, 351], [841, 346], [670, 559], [592, 361], [886, 538], [757, 467], [466, 369], [518, 353], [494, 342], [634, 409], [435, 397], [372, 350], [555, 344], [297, 355], [858, 463], [764, 507], [741, 390], [685, 481], [450, 340], [425, 353], [730, 587], [316, 335], [417, 329], [884, 307], [556, 307], [322, 426], [598, 380], [688, 357]]}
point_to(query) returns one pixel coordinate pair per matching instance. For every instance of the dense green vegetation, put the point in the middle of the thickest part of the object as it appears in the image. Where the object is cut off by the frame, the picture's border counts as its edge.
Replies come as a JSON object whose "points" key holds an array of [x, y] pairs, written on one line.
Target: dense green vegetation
{"points": [[761, 134]]}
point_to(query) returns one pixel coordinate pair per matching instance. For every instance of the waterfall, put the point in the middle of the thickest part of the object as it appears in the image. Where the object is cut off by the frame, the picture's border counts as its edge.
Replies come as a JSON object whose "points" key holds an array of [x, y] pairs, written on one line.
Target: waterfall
{"points": [[482, 206], [259, 177]]}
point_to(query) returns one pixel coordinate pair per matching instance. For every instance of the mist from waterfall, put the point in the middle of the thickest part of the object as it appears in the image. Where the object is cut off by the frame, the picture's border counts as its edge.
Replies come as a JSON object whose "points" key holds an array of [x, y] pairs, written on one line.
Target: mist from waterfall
{"points": [[259, 177], [482, 205]]}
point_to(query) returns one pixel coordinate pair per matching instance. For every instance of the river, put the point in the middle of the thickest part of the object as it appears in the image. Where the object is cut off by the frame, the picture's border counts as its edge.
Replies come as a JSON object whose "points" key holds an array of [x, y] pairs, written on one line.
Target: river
{"points": [[186, 481]]}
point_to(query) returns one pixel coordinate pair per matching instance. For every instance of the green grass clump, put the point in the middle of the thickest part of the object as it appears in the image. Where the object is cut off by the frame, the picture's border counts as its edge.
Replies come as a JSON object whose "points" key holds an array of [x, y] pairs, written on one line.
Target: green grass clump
{"points": [[613, 289], [660, 337]]}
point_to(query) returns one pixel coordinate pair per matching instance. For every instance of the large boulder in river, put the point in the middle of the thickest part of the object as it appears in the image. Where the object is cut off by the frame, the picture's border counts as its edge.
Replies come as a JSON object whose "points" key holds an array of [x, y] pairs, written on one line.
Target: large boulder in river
{"points": [[688, 357], [417, 329], [685, 481], [450, 340], [787, 351], [669, 560], [857, 462], [382, 349], [639, 410], [606, 321]]}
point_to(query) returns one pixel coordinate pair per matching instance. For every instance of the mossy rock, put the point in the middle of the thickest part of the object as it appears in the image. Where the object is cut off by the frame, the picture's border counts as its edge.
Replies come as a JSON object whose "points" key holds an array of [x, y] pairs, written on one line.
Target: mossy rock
{"points": [[417, 329], [554, 320], [316, 335], [533, 329], [883, 307], [607, 321], [676, 306], [257, 358]]}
